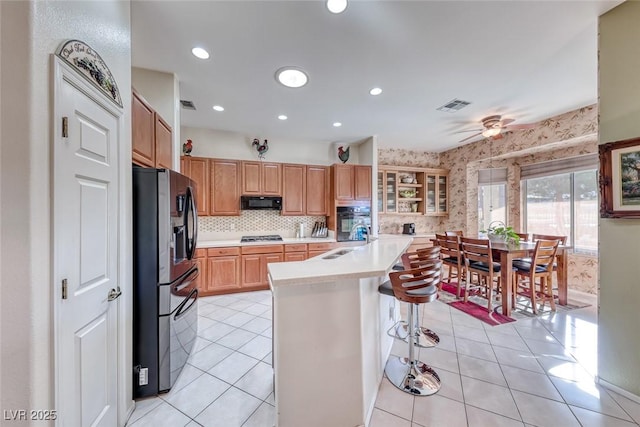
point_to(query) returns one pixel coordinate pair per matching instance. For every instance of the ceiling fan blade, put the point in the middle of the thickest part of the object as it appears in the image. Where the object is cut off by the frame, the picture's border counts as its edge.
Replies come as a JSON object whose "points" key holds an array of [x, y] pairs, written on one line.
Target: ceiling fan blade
{"points": [[505, 122], [470, 130], [469, 137]]}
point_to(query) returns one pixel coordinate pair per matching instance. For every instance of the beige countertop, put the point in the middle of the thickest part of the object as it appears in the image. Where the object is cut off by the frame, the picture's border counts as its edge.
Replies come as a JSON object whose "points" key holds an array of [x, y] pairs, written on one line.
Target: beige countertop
{"points": [[370, 260], [222, 243]]}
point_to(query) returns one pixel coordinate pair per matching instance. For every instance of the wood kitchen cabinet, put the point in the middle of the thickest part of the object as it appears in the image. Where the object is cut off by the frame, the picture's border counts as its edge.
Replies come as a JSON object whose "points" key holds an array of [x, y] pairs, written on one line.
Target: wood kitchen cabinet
{"points": [[295, 252], [412, 191], [261, 178], [224, 187], [294, 190], [362, 182], [164, 154], [143, 128], [351, 182], [223, 268], [254, 265], [197, 168], [317, 188], [315, 249], [151, 136]]}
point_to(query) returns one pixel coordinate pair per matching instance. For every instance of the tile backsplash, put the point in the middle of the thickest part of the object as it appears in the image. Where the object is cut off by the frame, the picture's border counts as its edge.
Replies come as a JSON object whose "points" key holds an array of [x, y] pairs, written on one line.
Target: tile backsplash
{"points": [[256, 222]]}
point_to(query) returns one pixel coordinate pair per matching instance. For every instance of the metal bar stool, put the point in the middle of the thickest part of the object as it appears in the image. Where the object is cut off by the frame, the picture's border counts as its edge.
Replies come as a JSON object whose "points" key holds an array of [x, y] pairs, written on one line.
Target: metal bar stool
{"points": [[416, 286], [423, 337]]}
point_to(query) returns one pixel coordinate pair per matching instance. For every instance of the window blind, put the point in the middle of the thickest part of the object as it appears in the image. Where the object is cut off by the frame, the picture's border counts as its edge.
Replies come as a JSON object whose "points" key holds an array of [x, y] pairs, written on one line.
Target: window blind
{"points": [[492, 176], [556, 167]]}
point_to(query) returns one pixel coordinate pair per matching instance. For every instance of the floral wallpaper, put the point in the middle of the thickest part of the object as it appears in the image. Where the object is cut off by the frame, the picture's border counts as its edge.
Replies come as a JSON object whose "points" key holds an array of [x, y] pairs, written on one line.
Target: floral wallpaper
{"points": [[412, 158], [567, 135]]}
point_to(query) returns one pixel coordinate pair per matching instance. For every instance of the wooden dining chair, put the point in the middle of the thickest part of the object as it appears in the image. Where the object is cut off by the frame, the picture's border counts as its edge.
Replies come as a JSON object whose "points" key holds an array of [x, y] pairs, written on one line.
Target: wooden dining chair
{"points": [[534, 279], [478, 259], [452, 258], [524, 237], [458, 233]]}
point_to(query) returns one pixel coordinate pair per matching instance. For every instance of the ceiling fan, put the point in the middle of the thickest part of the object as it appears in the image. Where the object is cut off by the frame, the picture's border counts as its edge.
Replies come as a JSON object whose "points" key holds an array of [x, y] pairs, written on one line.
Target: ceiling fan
{"points": [[493, 127]]}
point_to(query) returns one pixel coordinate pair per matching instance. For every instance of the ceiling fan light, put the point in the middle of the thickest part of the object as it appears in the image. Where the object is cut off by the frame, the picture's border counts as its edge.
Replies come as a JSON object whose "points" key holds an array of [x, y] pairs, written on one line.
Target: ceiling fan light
{"points": [[488, 133]]}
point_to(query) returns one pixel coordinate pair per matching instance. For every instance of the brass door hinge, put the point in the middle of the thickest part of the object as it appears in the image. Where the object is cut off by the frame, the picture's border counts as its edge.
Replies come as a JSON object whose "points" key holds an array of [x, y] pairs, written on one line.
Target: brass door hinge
{"points": [[65, 127], [64, 288]]}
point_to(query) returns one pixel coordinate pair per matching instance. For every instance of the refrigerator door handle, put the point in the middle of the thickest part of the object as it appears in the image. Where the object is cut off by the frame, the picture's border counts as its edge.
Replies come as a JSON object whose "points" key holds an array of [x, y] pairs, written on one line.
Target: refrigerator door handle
{"points": [[188, 278], [191, 234], [182, 310]]}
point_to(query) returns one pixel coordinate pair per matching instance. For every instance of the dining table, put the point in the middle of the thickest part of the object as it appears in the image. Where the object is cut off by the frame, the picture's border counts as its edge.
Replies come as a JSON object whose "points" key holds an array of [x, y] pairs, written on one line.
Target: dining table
{"points": [[505, 253]]}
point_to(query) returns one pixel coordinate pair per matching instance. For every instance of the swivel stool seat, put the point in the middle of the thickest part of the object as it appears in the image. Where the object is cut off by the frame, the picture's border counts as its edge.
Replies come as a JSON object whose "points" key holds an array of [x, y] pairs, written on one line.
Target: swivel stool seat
{"points": [[415, 286], [422, 336]]}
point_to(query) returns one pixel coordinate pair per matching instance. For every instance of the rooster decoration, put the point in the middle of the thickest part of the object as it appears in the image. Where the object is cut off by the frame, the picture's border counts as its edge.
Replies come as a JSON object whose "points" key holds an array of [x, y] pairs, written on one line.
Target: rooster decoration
{"points": [[343, 154], [260, 148], [187, 147]]}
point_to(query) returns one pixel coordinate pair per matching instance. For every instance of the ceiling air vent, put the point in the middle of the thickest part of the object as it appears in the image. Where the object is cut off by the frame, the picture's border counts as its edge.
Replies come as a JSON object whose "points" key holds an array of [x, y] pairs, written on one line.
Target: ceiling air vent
{"points": [[454, 105], [187, 105]]}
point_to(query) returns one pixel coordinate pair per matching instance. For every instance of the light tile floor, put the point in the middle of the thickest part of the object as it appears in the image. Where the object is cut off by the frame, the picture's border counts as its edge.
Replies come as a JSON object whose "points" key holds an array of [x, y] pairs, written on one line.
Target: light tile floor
{"points": [[537, 371]]}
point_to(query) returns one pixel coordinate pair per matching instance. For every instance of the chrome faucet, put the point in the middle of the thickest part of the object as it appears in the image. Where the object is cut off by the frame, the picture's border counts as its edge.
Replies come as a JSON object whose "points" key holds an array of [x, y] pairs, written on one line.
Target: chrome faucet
{"points": [[358, 226]]}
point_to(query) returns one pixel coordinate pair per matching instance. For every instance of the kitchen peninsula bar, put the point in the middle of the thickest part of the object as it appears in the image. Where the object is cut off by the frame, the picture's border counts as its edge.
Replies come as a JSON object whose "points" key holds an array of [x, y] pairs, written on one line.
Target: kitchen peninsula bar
{"points": [[330, 343]]}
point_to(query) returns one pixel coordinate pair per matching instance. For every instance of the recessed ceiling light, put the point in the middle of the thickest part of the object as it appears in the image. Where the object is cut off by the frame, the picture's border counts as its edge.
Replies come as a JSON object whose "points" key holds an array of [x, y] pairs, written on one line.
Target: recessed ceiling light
{"points": [[282, 117], [218, 107], [375, 91], [199, 52], [292, 77], [336, 6], [337, 124]]}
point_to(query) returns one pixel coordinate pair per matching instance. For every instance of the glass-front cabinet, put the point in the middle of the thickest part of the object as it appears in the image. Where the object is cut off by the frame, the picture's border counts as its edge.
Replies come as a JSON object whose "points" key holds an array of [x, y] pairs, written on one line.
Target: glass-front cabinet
{"points": [[412, 191]]}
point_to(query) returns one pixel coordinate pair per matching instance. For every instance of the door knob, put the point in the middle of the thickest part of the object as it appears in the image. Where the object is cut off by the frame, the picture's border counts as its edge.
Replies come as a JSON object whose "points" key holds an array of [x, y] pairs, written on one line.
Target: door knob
{"points": [[114, 294]]}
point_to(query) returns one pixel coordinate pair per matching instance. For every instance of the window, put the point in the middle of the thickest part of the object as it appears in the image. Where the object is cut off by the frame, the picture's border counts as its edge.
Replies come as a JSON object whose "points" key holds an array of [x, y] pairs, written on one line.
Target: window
{"points": [[492, 201], [564, 204], [492, 196]]}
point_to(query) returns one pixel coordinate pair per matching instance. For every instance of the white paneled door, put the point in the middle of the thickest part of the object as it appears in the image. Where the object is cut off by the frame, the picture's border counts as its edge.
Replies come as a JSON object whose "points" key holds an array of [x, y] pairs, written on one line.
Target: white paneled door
{"points": [[86, 209]]}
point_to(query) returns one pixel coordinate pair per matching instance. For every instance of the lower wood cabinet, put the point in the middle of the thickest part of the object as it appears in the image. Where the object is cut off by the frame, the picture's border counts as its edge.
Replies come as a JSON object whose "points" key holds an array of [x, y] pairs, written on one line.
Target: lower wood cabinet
{"points": [[244, 268], [222, 271], [254, 265], [295, 252], [316, 249]]}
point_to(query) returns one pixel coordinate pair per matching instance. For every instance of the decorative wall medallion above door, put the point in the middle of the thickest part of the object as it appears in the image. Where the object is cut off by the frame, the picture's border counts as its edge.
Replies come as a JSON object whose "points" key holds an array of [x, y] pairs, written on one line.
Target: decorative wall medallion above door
{"points": [[89, 63]]}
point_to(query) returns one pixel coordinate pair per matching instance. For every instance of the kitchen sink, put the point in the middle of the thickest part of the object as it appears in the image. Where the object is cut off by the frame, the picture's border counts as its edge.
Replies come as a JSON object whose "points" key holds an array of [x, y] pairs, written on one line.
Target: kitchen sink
{"points": [[337, 254]]}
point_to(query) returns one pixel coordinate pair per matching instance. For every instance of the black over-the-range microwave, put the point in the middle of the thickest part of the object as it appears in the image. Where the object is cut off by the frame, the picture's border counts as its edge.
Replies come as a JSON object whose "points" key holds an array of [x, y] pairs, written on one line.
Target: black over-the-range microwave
{"points": [[261, 202]]}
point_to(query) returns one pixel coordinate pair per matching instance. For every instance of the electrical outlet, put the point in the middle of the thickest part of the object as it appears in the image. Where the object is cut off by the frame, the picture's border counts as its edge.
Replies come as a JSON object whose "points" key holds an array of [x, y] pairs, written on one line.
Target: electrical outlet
{"points": [[143, 377], [392, 310], [232, 227]]}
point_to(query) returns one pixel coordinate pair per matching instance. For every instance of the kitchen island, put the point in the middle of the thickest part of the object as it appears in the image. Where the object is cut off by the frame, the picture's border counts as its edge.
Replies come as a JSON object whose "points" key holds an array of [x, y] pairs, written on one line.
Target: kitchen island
{"points": [[329, 333]]}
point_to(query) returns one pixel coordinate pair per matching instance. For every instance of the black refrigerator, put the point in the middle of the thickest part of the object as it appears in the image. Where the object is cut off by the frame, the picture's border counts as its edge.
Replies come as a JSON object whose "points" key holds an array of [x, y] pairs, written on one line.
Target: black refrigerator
{"points": [[165, 309]]}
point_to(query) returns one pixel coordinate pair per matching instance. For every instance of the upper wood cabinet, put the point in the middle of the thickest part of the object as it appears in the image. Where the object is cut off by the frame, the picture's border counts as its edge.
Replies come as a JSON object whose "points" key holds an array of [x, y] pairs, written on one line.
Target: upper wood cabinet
{"points": [[294, 189], [143, 129], [351, 182], [225, 187], [412, 191], [262, 179], [317, 190], [151, 136], [197, 168], [362, 184]]}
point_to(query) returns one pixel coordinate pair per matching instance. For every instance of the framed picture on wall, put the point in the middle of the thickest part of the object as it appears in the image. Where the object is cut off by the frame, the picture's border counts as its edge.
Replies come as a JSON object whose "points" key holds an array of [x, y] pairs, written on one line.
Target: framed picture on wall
{"points": [[620, 179]]}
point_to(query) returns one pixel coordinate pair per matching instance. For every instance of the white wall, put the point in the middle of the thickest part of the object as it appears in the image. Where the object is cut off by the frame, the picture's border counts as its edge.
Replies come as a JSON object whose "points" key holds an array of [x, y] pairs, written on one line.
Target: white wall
{"points": [[162, 91], [234, 145], [619, 108], [30, 33]]}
